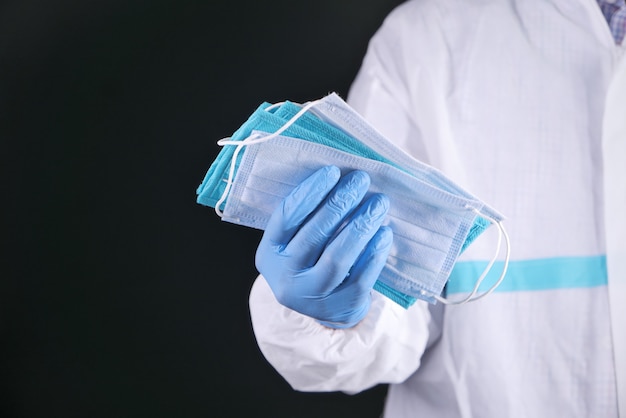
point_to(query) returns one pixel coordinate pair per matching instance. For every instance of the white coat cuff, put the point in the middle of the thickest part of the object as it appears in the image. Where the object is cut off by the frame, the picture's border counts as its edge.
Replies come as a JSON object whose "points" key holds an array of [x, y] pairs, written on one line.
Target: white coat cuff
{"points": [[385, 347]]}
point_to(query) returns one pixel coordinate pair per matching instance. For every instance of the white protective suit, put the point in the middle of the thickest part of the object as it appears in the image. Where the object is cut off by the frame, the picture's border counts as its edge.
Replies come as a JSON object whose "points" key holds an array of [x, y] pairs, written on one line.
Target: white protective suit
{"points": [[523, 103]]}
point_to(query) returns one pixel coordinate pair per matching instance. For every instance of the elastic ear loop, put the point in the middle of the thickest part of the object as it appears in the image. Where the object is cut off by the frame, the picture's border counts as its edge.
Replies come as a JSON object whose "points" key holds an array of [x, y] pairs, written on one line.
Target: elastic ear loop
{"points": [[251, 140], [470, 298]]}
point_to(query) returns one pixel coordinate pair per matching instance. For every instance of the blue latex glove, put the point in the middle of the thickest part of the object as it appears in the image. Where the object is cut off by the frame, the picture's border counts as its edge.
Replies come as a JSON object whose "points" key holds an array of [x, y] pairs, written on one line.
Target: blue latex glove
{"points": [[312, 269]]}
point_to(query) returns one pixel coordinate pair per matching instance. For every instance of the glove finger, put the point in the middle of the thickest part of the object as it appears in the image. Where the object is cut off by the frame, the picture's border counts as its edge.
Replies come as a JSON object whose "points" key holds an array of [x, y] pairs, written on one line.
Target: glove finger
{"points": [[298, 205], [370, 263], [354, 293], [311, 240], [344, 251]]}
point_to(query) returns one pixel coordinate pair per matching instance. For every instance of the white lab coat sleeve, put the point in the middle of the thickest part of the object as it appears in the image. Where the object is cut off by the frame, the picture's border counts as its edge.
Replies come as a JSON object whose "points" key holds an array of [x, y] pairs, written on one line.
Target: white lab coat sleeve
{"points": [[385, 347], [383, 100], [403, 85], [398, 92]]}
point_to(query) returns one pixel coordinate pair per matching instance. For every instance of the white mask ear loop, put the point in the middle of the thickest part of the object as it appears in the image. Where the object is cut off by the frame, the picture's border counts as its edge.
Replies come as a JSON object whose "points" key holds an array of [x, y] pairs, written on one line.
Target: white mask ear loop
{"points": [[470, 298], [254, 139], [273, 106]]}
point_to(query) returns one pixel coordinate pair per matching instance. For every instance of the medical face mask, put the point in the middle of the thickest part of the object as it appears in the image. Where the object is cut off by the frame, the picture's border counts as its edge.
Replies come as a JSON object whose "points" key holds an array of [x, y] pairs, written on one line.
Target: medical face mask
{"points": [[333, 110], [271, 119], [433, 219]]}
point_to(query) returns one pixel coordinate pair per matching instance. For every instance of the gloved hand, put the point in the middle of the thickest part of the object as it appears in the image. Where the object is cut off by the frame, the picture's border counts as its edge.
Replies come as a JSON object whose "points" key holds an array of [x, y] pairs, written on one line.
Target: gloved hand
{"points": [[312, 269]]}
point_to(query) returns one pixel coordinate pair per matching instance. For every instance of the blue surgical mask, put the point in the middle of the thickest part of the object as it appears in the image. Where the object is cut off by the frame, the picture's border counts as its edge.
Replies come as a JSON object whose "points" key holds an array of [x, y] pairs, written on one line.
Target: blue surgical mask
{"points": [[433, 219]]}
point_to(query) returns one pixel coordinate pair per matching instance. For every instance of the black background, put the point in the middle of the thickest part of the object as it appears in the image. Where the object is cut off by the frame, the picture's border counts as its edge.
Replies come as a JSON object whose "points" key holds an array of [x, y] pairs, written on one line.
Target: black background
{"points": [[119, 295]]}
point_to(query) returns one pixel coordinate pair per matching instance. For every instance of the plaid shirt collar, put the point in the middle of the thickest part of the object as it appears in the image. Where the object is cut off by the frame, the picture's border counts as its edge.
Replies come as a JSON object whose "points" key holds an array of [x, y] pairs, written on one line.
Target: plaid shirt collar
{"points": [[615, 13]]}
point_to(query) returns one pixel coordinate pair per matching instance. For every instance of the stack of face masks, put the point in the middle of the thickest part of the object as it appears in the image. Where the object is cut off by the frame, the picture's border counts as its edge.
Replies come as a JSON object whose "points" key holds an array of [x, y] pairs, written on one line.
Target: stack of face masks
{"points": [[280, 145]]}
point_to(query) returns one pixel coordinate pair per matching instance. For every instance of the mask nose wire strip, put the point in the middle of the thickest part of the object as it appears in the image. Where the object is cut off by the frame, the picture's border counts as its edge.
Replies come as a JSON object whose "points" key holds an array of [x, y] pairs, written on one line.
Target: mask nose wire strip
{"points": [[470, 298], [254, 139]]}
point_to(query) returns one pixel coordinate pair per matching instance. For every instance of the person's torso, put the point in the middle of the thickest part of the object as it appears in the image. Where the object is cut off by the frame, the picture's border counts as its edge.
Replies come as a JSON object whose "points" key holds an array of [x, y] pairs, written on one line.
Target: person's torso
{"points": [[524, 85]]}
